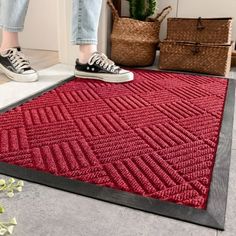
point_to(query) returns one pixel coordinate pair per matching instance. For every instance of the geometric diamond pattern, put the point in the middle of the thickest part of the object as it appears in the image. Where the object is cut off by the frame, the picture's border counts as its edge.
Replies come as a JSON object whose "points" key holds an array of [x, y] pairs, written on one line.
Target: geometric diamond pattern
{"points": [[156, 136]]}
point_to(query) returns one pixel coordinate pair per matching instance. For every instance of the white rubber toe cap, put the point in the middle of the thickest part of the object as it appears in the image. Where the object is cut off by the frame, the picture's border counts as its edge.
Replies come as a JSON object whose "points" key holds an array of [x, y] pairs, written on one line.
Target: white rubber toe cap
{"points": [[27, 76]]}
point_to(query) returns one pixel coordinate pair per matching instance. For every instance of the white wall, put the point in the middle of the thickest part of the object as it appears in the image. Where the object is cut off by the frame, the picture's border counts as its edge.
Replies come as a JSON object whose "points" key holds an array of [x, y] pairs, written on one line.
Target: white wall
{"points": [[41, 25]]}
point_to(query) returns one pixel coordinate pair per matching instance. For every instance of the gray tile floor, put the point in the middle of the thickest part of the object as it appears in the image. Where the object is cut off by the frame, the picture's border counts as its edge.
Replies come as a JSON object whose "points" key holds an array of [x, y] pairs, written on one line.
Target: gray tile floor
{"points": [[43, 211]]}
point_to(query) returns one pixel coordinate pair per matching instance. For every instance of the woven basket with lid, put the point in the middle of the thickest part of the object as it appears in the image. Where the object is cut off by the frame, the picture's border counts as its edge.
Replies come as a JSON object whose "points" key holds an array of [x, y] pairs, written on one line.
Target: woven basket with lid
{"points": [[195, 57], [202, 30]]}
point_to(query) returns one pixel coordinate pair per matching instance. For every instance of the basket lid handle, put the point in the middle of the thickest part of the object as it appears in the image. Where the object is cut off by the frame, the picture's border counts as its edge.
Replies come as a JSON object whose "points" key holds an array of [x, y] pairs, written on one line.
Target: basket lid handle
{"points": [[163, 14], [200, 26], [113, 9], [196, 48]]}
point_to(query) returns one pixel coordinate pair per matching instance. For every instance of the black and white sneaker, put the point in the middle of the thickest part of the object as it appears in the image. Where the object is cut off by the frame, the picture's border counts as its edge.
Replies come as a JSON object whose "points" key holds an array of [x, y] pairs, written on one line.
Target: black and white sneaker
{"points": [[101, 68], [15, 66]]}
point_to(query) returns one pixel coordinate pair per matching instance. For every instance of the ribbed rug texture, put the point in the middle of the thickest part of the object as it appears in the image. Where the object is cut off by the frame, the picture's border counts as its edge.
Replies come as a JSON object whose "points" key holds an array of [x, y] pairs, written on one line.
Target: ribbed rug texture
{"points": [[156, 136]]}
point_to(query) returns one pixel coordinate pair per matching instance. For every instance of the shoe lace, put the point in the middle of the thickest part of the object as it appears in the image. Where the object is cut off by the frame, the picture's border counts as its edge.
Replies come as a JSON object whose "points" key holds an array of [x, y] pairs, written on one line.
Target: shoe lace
{"points": [[102, 60], [18, 60]]}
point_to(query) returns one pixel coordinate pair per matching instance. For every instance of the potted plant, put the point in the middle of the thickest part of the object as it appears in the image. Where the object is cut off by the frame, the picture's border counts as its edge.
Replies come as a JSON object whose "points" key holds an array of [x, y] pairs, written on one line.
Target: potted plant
{"points": [[143, 9]]}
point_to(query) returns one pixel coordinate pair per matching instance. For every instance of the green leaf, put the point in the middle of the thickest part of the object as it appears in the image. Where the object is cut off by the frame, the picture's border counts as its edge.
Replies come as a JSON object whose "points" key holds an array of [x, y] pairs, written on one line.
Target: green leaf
{"points": [[7, 227], [10, 229], [10, 194], [20, 183], [13, 221], [9, 187], [3, 231], [142, 9], [11, 181], [19, 189], [2, 210]]}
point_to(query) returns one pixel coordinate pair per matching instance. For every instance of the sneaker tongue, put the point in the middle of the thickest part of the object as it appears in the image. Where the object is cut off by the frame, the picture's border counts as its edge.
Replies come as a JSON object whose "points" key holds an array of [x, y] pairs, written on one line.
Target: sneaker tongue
{"points": [[103, 57], [9, 49], [94, 54]]}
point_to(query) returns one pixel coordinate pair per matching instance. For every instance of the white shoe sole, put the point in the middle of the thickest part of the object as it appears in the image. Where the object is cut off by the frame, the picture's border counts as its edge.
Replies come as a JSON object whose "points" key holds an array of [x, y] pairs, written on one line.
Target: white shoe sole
{"points": [[110, 78], [18, 77]]}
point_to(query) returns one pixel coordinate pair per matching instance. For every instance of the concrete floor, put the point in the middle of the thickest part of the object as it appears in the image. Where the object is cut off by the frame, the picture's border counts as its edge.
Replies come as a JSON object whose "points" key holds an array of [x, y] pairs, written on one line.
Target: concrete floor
{"points": [[43, 211]]}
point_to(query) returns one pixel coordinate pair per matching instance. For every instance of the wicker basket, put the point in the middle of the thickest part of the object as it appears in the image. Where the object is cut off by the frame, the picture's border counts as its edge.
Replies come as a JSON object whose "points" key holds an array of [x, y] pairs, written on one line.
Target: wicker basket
{"points": [[195, 57], [134, 42], [202, 30]]}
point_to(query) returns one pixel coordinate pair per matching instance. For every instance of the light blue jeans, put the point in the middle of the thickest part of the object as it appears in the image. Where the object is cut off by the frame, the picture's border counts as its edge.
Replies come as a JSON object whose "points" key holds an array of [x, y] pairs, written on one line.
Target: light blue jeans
{"points": [[85, 18]]}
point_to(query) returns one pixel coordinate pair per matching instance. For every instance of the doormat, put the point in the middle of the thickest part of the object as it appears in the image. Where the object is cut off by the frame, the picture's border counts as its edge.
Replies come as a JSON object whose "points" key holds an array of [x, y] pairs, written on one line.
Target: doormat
{"points": [[160, 144]]}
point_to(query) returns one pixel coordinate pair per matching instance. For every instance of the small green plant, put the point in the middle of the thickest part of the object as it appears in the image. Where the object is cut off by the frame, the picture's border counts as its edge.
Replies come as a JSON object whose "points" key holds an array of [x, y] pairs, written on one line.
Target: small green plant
{"points": [[143, 9], [9, 187]]}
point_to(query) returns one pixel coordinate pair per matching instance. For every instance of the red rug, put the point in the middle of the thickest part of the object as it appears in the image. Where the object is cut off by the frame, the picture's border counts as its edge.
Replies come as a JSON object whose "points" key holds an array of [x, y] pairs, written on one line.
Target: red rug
{"points": [[156, 136]]}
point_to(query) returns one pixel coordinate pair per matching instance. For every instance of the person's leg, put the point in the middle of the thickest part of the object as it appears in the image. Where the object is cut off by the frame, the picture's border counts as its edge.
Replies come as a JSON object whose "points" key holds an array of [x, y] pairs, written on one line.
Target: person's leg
{"points": [[9, 40], [85, 21], [92, 64], [12, 61], [12, 17]]}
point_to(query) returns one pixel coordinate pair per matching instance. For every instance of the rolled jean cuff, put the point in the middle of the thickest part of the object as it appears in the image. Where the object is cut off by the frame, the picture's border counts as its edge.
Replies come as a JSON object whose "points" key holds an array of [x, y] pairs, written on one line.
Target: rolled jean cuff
{"points": [[84, 41], [12, 29]]}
